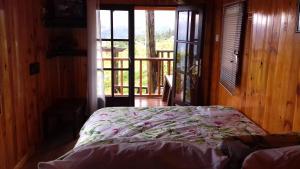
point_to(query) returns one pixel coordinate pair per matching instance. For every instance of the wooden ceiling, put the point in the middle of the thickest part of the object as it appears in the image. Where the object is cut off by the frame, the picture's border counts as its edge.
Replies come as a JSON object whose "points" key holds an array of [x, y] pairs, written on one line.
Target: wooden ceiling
{"points": [[155, 2]]}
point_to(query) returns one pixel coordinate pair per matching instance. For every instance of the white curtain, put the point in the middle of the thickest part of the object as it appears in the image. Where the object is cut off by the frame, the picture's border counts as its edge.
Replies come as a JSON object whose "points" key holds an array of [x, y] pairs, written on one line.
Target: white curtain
{"points": [[96, 97]]}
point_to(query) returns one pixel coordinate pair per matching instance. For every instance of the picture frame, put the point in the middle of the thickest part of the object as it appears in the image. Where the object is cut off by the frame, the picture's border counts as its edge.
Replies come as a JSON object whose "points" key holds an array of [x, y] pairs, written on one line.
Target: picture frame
{"points": [[298, 18], [65, 13]]}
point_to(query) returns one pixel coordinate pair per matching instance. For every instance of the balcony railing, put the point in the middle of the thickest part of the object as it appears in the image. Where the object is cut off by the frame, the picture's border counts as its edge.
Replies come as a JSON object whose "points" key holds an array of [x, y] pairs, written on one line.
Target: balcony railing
{"points": [[143, 87]]}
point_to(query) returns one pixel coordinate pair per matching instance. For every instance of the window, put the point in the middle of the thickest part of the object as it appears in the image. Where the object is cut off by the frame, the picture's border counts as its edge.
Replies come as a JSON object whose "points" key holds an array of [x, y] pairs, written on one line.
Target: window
{"points": [[231, 45]]}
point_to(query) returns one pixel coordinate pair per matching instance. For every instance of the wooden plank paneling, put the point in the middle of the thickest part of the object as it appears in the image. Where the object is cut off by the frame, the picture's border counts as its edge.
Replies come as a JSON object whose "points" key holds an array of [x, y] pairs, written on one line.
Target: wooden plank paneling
{"points": [[70, 72], [297, 106], [269, 92], [24, 40], [3, 46], [8, 109], [23, 97], [72, 77], [153, 2]]}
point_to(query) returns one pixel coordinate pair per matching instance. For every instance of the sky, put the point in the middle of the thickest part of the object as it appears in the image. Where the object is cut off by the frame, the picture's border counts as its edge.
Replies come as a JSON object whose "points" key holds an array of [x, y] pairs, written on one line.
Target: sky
{"points": [[164, 21]]}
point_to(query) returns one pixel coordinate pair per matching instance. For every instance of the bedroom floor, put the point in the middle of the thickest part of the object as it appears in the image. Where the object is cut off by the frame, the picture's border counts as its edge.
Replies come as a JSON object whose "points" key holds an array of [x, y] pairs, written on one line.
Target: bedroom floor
{"points": [[51, 150]]}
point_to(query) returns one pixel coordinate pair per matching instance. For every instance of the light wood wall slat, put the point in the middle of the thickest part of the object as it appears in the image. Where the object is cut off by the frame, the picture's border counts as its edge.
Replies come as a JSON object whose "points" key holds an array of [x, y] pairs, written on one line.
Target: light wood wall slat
{"points": [[268, 92], [23, 97]]}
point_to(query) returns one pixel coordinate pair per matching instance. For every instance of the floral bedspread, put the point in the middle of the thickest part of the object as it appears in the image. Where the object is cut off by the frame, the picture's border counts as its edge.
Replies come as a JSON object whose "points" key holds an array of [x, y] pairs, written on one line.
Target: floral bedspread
{"points": [[202, 125]]}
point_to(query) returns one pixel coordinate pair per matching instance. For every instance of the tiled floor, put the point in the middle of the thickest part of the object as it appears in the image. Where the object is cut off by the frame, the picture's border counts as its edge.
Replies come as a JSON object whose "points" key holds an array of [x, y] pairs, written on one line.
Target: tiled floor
{"points": [[149, 102]]}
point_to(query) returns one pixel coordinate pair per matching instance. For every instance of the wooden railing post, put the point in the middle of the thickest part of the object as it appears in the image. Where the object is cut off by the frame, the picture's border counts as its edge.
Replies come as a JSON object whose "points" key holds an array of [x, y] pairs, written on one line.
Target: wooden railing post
{"points": [[122, 78], [141, 76], [169, 66], [158, 72]]}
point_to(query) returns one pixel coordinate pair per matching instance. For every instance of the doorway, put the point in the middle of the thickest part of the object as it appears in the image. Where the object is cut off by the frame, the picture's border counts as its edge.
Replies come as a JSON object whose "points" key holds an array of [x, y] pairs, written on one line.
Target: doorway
{"points": [[188, 56], [117, 46], [140, 51], [154, 46]]}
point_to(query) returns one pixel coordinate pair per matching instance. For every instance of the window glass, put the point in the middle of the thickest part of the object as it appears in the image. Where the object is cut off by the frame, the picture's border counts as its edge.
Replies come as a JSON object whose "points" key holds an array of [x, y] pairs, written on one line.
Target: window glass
{"points": [[181, 55], [105, 24], [182, 25], [120, 24]]}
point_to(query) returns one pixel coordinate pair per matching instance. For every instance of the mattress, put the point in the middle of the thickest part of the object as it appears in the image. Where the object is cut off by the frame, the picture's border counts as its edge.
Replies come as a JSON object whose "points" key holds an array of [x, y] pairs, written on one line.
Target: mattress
{"points": [[206, 125], [160, 138]]}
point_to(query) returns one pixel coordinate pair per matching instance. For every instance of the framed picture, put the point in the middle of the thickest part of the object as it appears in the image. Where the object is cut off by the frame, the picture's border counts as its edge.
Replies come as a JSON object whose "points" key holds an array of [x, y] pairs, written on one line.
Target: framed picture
{"points": [[65, 13], [298, 18]]}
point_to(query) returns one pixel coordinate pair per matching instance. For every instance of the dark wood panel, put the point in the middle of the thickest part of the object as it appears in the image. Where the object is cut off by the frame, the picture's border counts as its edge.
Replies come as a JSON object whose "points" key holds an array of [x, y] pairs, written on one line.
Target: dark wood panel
{"points": [[270, 73], [5, 150], [154, 2], [23, 96], [206, 52], [72, 71], [72, 77]]}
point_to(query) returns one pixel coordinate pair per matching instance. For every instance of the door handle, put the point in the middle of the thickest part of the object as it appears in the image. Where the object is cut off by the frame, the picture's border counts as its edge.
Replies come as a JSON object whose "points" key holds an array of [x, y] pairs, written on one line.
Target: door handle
{"points": [[129, 60], [235, 59]]}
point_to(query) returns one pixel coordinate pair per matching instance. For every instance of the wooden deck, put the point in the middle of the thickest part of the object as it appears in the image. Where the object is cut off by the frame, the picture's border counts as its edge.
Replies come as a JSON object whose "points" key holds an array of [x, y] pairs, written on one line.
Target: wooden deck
{"points": [[149, 102]]}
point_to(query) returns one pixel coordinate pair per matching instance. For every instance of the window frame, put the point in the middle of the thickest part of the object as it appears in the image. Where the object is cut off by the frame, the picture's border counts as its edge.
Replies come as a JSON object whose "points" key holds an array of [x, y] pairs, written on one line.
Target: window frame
{"points": [[128, 99], [238, 72]]}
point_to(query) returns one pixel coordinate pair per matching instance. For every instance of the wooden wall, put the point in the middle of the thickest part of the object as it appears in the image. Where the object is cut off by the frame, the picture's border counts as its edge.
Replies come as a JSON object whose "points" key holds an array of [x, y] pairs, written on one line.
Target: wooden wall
{"points": [[270, 87], [70, 77], [24, 40], [268, 94], [23, 97]]}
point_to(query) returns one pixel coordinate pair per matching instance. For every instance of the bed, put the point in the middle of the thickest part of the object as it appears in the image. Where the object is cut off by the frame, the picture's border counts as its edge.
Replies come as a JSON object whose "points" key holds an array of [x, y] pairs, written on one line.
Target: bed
{"points": [[203, 125], [127, 134]]}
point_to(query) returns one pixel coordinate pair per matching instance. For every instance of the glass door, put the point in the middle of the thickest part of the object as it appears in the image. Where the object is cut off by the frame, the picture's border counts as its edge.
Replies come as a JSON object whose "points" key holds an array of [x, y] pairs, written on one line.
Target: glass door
{"points": [[117, 46], [187, 72]]}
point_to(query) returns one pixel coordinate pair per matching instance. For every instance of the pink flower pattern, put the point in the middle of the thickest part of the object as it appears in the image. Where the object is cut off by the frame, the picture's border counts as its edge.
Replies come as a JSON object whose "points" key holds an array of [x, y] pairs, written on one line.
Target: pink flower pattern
{"points": [[188, 124]]}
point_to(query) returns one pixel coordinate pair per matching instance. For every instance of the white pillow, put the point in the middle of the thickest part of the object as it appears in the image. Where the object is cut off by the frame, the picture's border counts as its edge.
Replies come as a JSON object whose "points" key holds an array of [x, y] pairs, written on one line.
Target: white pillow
{"points": [[278, 158]]}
